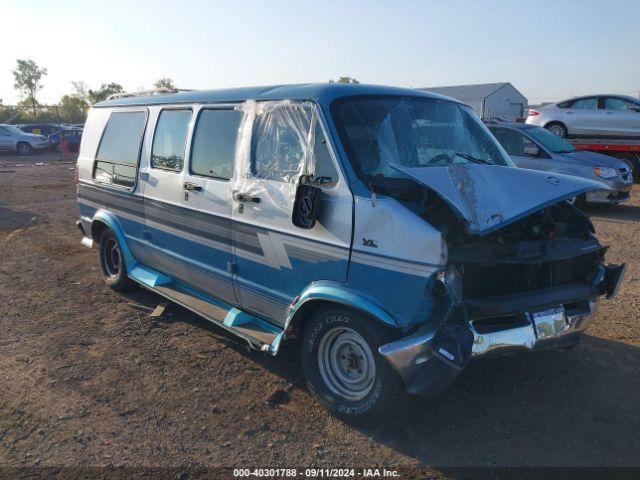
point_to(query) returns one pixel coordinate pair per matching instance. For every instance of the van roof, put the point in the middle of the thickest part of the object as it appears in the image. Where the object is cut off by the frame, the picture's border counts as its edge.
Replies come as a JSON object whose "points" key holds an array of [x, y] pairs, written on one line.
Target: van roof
{"points": [[321, 92]]}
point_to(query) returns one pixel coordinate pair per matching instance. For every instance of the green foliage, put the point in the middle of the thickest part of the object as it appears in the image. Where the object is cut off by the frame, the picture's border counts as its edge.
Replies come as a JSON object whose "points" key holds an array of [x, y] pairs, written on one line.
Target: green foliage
{"points": [[344, 80], [104, 91], [164, 83], [72, 109], [27, 76]]}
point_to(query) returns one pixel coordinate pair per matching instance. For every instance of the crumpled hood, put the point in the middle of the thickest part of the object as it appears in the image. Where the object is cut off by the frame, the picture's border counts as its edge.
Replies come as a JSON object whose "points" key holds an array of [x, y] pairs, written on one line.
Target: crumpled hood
{"points": [[489, 197]]}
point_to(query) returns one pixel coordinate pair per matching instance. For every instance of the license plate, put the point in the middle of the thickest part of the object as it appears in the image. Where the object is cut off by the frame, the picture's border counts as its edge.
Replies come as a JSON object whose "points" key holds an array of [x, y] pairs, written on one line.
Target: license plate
{"points": [[549, 322]]}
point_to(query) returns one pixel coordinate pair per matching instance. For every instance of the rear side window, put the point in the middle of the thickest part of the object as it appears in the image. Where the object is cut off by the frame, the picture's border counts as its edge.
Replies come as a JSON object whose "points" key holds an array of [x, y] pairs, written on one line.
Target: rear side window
{"points": [[170, 139], [585, 104], [512, 141], [119, 150], [214, 143]]}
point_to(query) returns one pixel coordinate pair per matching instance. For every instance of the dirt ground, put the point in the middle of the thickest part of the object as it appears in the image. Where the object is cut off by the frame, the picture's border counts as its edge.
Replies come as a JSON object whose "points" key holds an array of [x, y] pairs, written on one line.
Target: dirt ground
{"points": [[87, 378]]}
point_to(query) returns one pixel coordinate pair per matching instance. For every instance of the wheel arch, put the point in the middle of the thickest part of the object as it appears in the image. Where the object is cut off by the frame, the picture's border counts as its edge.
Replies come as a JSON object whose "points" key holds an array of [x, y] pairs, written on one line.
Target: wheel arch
{"points": [[559, 122], [103, 219], [332, 294]]}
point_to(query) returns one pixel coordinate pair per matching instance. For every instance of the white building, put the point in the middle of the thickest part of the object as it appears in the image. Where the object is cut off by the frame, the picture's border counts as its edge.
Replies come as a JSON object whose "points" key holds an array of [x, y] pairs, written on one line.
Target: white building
{"points": [[489, 100]]}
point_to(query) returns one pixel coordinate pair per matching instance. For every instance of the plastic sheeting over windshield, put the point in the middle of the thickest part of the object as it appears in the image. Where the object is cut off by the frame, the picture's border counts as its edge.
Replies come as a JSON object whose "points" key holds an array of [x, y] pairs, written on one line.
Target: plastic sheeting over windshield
{"points": [[275, 148]]}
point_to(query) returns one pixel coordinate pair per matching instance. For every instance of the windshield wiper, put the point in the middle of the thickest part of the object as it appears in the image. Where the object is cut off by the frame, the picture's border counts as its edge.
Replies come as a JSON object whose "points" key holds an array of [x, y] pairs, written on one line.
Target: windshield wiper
{"points": [[473, 159]]}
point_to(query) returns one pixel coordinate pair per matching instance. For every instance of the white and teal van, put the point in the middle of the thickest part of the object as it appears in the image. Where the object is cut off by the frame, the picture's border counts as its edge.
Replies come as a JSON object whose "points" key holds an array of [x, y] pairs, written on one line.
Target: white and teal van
{"points": [[382, 229]]}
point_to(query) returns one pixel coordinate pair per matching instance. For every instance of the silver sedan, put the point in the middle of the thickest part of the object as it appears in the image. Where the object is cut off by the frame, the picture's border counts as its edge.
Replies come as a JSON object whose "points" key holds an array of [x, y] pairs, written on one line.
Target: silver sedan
{"points": [[610, 116], [15, 140], [538, 149]]}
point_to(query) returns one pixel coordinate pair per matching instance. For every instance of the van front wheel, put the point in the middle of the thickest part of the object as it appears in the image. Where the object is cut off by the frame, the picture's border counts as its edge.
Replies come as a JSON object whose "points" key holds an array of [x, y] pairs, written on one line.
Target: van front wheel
{"points": [[114, 269], [344, 370]]}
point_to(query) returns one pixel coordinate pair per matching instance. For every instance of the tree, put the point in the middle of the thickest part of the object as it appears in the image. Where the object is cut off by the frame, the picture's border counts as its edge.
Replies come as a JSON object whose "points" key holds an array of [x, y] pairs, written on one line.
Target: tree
{"points": [[81, 91], [164, 83], [27, 76], [72, 109], [344, 80], [104, 91]]}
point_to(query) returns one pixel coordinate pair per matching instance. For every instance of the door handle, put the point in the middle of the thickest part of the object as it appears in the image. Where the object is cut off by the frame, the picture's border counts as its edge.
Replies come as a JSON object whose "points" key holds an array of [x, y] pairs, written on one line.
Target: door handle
{"points": [[609, 113], [192, 187], [245, 198]]}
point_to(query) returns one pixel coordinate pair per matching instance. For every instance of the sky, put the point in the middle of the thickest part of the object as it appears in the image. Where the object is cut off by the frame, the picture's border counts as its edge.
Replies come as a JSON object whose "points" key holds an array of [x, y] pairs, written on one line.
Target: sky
{"points": [[548, 49]]}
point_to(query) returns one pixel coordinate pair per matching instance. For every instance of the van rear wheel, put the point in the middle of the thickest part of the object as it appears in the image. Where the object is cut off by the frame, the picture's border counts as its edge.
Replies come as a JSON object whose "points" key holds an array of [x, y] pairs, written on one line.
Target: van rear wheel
{"points": [[114, 269], [344, 370]]}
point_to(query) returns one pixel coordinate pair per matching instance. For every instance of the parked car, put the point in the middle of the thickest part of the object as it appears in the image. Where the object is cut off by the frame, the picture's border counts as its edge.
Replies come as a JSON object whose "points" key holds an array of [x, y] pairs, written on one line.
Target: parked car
{"points": [[611, 116], [383, 229], [15, 140], [40, 128], [73, 136], [538, 149]]}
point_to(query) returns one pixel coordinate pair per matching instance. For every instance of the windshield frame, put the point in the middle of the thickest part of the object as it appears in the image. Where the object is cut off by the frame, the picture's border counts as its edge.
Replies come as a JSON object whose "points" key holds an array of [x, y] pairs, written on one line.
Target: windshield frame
{"points": [[346, 145], [527, 131]]}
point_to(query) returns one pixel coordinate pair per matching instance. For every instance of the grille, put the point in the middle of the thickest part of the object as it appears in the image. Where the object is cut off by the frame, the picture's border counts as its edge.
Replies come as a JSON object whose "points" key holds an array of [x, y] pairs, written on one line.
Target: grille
{"points": [[509, 279]]}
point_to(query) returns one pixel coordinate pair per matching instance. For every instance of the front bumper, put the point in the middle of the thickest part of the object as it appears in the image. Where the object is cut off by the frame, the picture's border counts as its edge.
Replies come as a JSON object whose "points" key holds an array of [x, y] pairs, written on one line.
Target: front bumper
{"points": [[498, 325], [620, 192]]}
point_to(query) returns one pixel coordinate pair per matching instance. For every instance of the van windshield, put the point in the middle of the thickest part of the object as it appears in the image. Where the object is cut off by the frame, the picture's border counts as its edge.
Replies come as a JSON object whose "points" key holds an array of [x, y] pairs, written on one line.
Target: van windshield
{"points": [[380, 132]]}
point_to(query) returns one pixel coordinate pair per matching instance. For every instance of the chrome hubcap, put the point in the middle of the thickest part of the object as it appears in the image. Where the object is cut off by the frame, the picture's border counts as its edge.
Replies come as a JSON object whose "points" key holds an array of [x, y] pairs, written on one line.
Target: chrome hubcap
{"points": [[111, 257], [346, 363]]}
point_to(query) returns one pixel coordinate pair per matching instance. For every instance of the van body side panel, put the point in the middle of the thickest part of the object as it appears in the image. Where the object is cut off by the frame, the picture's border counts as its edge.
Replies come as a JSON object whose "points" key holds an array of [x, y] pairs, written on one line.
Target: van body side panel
{"points": [[395, 256], [125, 205]]}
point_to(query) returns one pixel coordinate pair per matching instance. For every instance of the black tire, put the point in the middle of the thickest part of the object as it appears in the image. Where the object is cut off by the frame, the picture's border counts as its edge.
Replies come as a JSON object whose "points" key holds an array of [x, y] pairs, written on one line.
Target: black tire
{"points": [[114, 270], [635, 167], [557, 128], [24, 148], [384, 395]]}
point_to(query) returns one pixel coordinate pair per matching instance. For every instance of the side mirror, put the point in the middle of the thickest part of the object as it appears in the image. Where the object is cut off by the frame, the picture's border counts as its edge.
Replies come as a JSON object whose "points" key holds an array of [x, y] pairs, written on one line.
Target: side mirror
{"points": [[532, 151], [305, 206]]}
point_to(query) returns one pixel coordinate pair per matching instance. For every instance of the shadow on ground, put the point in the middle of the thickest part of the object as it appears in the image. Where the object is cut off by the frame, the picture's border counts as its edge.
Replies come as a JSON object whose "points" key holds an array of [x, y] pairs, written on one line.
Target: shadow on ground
{"points": [[549, 408], [629, 213]]}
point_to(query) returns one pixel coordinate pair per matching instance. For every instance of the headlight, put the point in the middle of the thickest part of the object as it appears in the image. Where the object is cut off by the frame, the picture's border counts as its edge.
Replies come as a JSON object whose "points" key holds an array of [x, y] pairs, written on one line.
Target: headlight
{"points": [[605, 172]]}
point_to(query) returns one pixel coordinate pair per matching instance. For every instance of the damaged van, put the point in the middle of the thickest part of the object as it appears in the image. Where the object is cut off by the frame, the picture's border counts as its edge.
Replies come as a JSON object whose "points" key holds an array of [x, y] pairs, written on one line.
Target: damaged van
{"points": [[382, 231]]}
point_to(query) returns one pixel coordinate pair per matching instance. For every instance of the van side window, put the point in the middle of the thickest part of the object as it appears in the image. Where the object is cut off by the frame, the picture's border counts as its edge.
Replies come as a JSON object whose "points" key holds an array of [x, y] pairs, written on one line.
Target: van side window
{"points": [[277, 146], [214, 143], [119, 150], [170, 139]]}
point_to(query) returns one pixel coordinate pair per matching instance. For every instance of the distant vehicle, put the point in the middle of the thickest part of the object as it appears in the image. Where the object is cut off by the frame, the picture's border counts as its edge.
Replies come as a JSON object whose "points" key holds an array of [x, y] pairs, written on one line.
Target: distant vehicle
{"points": [[15, 140], [40, 128], [612, 116], [78, 125], [538, 149], [72, 135]]}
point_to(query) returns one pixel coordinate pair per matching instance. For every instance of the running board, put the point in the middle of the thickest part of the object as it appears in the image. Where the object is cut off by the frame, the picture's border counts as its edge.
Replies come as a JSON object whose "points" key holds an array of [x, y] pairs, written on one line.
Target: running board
{"points": [[259, 333]]}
